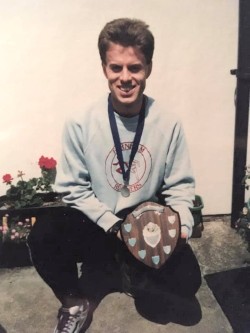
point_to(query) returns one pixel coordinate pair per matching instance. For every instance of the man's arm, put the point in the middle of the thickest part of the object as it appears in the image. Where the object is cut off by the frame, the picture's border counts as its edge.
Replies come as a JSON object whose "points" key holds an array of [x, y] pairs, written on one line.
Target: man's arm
{"points": [[178, 187], [73, 179]]}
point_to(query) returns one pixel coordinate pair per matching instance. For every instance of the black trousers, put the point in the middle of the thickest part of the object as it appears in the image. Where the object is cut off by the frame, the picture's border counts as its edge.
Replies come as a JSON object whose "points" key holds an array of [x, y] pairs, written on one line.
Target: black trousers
{"points": [[59, 241]]}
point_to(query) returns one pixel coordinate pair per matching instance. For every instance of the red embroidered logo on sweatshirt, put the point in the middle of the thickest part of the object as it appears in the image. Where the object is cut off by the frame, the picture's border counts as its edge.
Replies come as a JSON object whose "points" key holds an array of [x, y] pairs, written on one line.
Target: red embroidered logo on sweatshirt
{"points": [[140, 169]]}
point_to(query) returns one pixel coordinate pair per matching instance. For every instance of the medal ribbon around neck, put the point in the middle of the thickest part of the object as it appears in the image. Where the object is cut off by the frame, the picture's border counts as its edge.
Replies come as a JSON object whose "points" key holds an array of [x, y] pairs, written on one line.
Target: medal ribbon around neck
{"points": [[117, 141]]}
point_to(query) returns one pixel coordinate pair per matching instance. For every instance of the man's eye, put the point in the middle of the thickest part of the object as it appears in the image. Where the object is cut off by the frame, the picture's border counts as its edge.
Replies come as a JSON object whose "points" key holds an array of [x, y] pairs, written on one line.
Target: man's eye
{"points": [[135, 69], [115, 68]]}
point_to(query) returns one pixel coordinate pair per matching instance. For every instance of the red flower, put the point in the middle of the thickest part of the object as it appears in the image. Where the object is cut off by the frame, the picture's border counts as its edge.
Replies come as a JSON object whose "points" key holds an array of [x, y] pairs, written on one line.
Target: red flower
{"points": [[7, 178], [47, 163]]}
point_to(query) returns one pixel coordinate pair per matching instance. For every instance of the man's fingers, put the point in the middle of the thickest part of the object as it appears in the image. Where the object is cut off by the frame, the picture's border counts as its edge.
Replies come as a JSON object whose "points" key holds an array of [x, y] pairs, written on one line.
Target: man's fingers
{"points": [[184, 232], [184, 235]]}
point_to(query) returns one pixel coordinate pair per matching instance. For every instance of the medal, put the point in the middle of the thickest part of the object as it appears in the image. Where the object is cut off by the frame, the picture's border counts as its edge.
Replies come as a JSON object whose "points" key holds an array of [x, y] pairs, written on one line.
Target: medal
{"points": [[125, 191]]}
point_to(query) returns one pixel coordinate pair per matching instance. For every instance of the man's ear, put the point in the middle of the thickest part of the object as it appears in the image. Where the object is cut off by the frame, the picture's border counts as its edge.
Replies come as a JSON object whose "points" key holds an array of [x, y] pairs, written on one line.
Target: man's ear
{"points": [[104, 69], [149, 69]]}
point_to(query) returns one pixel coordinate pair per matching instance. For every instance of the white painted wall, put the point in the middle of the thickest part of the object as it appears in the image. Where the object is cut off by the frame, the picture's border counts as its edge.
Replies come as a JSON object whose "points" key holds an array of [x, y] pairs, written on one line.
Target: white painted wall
{"points": [[49, 66]]}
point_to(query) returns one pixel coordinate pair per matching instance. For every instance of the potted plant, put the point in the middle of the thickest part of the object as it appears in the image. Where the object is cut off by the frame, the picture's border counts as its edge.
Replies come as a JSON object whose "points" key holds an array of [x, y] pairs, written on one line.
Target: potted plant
{"points": [[34, 192], [14, 232], [19, 209], [242, 225]]}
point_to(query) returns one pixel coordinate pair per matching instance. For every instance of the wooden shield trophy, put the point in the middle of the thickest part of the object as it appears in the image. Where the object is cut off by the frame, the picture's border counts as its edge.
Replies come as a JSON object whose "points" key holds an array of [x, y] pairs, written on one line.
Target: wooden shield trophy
{"points": [[151, 232]]}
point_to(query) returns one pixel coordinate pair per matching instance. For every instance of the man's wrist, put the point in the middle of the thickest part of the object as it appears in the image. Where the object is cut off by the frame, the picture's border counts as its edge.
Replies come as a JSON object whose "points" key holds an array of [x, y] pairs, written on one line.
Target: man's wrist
{"points": [[115, 228]]}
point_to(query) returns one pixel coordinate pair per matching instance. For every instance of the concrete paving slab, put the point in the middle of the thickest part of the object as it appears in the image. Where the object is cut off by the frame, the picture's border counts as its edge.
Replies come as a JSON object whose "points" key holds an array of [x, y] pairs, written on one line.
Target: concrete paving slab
{"points": [[27, 305]]}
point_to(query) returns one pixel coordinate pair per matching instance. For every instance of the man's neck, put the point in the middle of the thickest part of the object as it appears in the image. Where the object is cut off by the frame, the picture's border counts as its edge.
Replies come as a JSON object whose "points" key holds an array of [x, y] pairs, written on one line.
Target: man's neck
{"points": [[127, 110]]}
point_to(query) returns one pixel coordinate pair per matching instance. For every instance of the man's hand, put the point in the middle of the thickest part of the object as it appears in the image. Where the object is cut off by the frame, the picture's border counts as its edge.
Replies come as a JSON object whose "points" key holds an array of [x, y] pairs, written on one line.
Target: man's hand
{"points": [[184, 232]]}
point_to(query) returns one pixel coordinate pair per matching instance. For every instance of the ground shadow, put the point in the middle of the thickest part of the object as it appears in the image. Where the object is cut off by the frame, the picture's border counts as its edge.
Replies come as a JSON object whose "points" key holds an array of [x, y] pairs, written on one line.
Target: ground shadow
{"points": [[163, 308], [154, 304], [2, 330], [232, 291]]}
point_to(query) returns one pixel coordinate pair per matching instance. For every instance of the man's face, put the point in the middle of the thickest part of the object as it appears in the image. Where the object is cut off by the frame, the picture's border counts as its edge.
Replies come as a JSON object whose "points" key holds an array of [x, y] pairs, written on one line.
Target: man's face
{"points": [[126, 71]]}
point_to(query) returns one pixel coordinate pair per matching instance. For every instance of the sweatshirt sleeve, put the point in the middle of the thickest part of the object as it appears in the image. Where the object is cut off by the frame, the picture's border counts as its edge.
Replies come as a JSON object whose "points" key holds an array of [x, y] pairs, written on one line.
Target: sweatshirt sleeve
{"points": [[178, 186], [73, 179]]}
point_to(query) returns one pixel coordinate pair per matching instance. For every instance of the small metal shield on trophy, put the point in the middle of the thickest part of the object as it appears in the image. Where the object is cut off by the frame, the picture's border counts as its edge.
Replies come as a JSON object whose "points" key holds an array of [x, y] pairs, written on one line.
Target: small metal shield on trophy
{"points": [[151, 232]]}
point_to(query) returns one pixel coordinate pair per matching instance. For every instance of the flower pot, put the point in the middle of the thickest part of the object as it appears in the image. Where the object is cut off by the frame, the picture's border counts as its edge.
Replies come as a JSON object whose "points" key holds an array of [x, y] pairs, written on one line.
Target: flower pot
{"points": [[248, 204], [197, 210], [197, 215], [15, 252], [14, 255]]}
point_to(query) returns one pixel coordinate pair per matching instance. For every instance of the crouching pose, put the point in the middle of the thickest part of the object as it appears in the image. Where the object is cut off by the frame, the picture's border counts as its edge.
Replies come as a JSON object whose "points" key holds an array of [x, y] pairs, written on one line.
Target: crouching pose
{"points": [[123, 150]]}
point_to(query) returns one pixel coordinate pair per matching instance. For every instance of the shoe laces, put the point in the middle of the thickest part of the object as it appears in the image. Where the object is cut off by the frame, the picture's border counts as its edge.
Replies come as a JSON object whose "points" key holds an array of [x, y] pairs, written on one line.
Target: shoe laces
{"points": [[68, 325], [68, 320]]}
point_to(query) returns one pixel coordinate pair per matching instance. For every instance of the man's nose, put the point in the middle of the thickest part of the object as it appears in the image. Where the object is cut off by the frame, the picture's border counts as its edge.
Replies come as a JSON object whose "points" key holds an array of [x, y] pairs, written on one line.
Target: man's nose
{"points": [[125, 75]]}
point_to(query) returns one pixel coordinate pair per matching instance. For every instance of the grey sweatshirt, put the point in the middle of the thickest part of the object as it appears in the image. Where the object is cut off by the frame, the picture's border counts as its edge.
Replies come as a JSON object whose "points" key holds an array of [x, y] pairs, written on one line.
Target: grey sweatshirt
{"points": [[90, 174]]}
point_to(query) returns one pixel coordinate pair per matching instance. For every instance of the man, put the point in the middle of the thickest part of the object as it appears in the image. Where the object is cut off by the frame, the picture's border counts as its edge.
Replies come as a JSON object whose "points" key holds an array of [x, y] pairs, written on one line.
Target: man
{"points": [[123, 150]]}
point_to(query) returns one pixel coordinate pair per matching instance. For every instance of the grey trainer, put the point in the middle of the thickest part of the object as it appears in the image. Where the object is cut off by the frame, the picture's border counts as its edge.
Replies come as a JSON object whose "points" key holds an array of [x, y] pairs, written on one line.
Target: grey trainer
{"points": [[72, 320]]}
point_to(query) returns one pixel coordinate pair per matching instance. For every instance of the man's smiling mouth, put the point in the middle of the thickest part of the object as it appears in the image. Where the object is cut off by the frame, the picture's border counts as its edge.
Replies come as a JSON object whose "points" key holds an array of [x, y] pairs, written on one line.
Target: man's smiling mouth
{"points": [[126, 89]]}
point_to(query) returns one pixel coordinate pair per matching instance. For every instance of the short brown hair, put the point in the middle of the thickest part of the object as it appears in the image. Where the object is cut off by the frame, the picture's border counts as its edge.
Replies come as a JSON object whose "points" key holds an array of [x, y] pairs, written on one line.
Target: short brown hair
{"points": [[127, 32]]}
